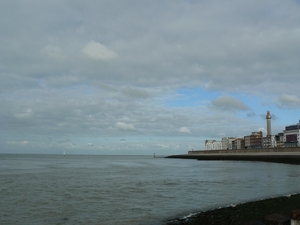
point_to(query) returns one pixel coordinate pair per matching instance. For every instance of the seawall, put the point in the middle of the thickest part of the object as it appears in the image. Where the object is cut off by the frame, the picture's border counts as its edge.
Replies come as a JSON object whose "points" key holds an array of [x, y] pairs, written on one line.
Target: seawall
{"points": [[278, 155], [253, 150]]}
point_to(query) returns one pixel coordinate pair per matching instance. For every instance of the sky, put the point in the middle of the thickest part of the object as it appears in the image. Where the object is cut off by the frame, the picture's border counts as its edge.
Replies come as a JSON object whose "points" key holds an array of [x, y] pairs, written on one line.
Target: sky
{"points": [[128, 77]]}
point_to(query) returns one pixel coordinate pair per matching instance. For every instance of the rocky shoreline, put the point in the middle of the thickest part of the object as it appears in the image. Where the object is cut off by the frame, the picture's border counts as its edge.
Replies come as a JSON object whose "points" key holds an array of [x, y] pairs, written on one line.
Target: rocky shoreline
{"points": [[243, 214], [250, 213]]}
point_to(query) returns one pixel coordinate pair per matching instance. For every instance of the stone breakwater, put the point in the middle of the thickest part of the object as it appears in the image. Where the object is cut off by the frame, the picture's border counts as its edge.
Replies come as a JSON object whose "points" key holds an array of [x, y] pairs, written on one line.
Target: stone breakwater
{"points": [[277, 155]]}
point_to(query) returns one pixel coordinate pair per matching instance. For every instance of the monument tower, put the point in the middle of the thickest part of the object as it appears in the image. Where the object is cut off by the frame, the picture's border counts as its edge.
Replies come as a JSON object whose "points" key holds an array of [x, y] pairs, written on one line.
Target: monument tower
{"points": [[268, 118]]}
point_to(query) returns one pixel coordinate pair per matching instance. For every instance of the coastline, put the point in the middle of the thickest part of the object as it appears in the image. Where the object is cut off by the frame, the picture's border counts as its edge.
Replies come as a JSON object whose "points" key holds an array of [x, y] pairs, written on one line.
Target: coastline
{"points": [[288, 156], [243, 213], [251, 211]]}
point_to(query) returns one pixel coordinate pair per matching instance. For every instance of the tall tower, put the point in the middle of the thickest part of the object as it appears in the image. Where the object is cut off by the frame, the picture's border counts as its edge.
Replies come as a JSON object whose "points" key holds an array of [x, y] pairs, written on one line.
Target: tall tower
{"points": [[268, 118]]}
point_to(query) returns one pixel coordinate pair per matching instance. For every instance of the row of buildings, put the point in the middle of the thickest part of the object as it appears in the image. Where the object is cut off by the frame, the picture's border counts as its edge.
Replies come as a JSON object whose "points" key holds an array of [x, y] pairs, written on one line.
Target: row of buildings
{"points": [[290, 137]]}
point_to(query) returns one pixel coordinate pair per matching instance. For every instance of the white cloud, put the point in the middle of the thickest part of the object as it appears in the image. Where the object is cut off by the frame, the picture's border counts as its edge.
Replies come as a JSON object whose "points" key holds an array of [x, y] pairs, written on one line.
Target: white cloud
{"points": [[184, 130], [125, 127], [289, 101], [97, 51]]}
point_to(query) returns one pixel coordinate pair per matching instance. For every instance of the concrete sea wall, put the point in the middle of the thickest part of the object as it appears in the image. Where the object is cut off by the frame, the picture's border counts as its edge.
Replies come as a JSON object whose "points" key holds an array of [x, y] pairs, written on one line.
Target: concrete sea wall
{"points": [[277, 155], [256, 150]]}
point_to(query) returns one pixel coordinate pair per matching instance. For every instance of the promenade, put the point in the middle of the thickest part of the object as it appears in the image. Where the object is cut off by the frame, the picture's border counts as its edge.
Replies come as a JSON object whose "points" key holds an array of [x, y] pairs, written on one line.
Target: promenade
{"points": [[278, 155]]}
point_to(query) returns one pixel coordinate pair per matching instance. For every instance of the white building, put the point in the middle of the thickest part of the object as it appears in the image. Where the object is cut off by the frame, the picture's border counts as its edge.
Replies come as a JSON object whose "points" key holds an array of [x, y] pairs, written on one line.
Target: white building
{"points": [[291, 135], [227, 142], [268, 141], [213, 145], [279, 140]]}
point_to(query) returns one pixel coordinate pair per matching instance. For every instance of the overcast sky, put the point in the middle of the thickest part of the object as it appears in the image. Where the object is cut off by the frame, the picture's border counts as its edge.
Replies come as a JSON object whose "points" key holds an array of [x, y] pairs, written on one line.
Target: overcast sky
{"points": [[144, 77]]}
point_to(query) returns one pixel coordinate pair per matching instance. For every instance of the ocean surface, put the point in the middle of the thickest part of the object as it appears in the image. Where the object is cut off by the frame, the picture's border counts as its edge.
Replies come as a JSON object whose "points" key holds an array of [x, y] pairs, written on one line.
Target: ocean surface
{"points": [[111, 190]]}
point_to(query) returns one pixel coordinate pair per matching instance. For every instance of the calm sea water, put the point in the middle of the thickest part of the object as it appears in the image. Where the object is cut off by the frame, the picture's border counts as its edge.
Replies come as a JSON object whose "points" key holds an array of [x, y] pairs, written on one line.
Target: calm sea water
{"points": [[111, 190]]}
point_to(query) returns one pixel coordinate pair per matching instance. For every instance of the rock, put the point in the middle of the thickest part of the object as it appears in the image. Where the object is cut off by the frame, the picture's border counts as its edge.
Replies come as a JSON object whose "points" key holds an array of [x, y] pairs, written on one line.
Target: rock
{"points": [[253, 223], [277, 219], [296, 214]]}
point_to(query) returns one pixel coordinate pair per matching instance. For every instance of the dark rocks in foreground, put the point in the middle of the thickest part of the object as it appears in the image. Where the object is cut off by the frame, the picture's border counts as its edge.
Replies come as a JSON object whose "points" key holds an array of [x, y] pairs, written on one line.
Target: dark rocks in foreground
{"points": [[251, 213], [273, 211]]}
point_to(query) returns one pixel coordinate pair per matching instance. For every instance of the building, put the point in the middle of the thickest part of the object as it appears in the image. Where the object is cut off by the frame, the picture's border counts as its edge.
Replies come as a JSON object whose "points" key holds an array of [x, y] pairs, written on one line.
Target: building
{"points": [[227, 142], [238, 143], [254, 140], [268, 141], [291, 135], [213, 145], [279, 140], [268, 118]]}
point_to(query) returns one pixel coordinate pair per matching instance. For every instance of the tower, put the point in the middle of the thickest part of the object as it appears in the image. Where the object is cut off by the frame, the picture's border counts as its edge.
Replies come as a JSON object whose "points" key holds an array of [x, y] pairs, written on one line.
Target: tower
{"points": [[268, 118]]}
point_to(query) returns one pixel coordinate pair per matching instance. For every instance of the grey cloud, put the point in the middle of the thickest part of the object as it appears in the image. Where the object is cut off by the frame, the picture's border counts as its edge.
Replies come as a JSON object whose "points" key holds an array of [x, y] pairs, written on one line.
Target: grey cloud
{"points": [[125, 126], [228, 103], [164, 48], [99, 68], [53, 52], [134, 92], [251, 114]]}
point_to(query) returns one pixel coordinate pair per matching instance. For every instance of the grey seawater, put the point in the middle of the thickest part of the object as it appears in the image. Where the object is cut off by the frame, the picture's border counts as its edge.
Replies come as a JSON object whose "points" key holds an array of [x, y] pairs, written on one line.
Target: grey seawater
{"points": [[111, 190]]}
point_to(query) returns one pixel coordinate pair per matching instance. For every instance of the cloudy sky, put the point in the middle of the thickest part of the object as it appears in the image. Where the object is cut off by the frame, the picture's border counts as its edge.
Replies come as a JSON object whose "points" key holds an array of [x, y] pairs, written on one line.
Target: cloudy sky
{"points": [[144, 77]]}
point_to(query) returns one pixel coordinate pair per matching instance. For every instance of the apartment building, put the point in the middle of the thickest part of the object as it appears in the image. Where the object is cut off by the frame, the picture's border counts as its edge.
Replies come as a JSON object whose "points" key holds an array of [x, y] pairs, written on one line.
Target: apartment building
{"points": [[213, 145], [291, 135], [238, 143], [254, 140], [227, 142]]}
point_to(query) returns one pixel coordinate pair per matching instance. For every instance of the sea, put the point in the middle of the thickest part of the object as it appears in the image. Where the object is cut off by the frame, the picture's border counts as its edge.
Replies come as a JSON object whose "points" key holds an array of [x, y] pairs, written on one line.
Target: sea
{"points": [[112, 190]]}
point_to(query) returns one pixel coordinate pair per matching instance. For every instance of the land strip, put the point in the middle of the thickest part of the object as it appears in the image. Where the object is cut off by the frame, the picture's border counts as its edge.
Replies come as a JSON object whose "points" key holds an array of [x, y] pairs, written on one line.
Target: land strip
{"points": [[289, 155]]}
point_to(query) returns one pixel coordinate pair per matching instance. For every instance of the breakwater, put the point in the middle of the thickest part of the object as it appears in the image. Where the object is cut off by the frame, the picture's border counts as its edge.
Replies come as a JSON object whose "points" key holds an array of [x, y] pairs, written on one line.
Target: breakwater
{"points": [[278, 155]]}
